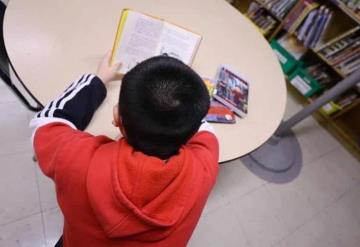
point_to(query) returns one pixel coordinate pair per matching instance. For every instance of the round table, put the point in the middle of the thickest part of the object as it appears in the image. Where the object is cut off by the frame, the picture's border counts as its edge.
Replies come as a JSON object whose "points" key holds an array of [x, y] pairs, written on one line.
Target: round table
{"points": [[50, 43]]}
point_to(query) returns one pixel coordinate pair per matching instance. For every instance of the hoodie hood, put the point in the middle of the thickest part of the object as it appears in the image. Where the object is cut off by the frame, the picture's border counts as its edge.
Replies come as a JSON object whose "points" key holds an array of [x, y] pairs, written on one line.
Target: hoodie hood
{"points": [[146, 197]]}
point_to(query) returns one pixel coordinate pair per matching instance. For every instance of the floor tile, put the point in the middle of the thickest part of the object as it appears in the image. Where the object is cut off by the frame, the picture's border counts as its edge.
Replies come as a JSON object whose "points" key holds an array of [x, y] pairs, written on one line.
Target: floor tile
{"points": [[314, 140], [236, 180], [315, 233], [260, 218], [27, 232], [320, 184], [344, 217], [329, 177], [46, 190], [19, 194], [292, 202], [53, 224], [336, 226], [216, 199], [6, 95], [219, 228], [14, 129]]}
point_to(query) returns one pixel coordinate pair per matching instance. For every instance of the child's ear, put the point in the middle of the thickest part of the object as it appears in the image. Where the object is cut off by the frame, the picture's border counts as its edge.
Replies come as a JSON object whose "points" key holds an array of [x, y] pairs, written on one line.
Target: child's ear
{"points": [[117, 120], [116, 117]]}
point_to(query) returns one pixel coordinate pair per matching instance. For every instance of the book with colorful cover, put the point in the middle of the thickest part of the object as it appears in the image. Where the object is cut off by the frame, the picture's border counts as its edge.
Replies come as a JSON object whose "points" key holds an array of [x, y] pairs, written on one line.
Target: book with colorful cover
{"points": [[232, 90], [140, 36], [218, 113]]}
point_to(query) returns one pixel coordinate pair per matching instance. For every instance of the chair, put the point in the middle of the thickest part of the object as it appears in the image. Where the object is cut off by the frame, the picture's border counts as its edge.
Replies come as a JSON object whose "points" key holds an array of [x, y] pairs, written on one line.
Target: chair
{"points": [[6, 67]]}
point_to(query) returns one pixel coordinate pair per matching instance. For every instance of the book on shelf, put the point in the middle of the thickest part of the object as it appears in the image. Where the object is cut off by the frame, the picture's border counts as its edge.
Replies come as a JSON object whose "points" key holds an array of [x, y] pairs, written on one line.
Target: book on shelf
{"points": [[300, 12], [260, 16], [282, 7], [320, 73], [344, 53], [337, 38], [317, 27], [279, 8], [304, 29], [310, 24], [140, 36], [347, 99]]}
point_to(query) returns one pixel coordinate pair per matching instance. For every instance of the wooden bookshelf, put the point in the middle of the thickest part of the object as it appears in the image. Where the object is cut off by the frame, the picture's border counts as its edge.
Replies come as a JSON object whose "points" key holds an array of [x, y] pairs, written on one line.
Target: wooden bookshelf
{"points": [[345, 123], [346, 109], [347, 10], [339, 72]]}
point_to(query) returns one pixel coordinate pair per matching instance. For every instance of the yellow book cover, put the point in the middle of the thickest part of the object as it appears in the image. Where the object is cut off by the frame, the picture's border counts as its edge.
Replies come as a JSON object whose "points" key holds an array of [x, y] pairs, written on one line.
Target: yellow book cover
{"points": [[140, 36]]}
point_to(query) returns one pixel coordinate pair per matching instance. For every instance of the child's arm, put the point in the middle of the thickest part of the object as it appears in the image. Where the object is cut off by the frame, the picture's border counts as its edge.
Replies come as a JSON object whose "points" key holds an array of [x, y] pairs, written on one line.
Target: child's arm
{"points": [[60, 121], [77, 104], [206, 147]]}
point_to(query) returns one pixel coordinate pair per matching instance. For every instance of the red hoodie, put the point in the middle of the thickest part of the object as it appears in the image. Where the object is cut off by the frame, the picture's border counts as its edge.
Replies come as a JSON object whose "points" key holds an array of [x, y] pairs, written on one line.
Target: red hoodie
{"points": [[110, 194]]}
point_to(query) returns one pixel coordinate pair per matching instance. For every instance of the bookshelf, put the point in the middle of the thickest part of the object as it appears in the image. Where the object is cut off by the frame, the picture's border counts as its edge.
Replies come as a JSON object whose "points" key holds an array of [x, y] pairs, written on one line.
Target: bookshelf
{"points": [[318, 44], [350, 12]]}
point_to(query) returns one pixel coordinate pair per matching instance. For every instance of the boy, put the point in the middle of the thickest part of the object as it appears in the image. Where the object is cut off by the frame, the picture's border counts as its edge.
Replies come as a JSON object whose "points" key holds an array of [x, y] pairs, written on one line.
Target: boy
{"points": [[146, 189]]}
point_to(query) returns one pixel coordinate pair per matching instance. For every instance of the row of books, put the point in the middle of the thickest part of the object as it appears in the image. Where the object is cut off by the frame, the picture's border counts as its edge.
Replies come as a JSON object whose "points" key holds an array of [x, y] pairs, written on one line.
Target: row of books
{"points": [[344, 52], [309, 22], [279, 7], [261, 17], [311, 32], [347, 99], [319, 72]]}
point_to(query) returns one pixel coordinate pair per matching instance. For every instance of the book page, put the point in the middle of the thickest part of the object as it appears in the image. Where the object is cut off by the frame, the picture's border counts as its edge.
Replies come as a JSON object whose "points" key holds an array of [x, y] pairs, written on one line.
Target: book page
{"points": [[139, 40], [178, 43]]}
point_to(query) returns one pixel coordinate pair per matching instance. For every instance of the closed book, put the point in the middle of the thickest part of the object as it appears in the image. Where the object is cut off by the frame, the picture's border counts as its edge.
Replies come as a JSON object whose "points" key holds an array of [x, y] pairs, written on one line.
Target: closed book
{"points": [[299, 7], [324, 18], [315, 27], [304, 29]]}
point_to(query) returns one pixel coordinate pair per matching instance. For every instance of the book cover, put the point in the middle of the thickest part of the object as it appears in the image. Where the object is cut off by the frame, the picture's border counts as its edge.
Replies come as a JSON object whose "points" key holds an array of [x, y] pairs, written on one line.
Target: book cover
{"points": [[321, 27], [315, 27], [218, 113], [304, 29], [140, 36], [299, 7], [320, 39], [232, 90]]}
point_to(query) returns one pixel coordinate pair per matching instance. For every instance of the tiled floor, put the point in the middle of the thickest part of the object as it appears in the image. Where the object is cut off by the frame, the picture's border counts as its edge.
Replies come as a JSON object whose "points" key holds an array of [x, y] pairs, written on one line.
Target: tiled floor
{"points": [[320, 208]]}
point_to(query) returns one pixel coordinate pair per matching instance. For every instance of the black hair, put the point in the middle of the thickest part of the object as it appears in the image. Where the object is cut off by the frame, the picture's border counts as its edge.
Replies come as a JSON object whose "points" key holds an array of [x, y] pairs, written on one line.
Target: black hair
{"points": [[162, 102]]}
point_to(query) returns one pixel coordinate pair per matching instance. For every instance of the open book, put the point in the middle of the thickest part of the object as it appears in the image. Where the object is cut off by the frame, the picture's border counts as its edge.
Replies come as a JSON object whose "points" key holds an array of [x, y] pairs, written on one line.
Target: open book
{"points": [[141, 36]]}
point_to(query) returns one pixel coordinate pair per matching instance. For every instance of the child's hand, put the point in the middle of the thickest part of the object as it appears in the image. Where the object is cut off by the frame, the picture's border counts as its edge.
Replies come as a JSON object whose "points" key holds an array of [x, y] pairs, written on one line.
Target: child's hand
{"points": [[107, 72]]}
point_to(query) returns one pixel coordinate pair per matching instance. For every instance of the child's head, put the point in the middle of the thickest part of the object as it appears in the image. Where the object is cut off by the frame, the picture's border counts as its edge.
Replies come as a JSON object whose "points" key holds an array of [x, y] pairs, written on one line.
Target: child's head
{"points": [[161, 105]]}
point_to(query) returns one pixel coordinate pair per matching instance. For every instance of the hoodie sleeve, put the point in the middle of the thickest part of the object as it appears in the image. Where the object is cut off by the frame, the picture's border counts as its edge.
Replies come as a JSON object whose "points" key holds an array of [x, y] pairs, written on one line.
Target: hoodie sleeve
{"points": [[205, 147], [75, 106], [61, 121]]}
